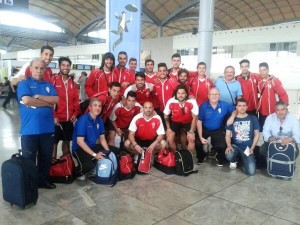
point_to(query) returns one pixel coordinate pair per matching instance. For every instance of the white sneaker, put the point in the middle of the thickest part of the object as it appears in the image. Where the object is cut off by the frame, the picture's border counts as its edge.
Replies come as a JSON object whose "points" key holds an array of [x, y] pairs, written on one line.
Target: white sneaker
{"points": [[81, 178], [233, 165]]}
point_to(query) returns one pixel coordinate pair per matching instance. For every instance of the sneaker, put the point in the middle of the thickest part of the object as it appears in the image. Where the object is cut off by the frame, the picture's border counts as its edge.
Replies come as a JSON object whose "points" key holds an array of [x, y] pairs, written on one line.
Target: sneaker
{"points": [[81, 178], [233, 165], [220, 162], [201, 161]]}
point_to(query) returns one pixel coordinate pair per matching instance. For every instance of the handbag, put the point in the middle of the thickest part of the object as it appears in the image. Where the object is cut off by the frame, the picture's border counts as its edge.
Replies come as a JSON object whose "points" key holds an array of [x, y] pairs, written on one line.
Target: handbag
{"points": [[144, 162], [165, 161], [126, 166], [63, 170]]}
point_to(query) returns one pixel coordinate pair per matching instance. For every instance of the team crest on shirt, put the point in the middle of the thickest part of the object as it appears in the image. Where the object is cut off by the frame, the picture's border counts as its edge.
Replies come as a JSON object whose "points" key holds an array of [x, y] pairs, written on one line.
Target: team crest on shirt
{"points": [[254, 81], [167, 87], [98, 126], [269, 85], [48, 89], [153, 125], [219, 110]]}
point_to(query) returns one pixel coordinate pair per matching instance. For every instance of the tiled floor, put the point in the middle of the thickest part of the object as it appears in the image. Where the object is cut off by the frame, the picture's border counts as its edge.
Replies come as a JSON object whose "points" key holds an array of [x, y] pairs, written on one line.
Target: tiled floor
{"points": [[213, 196]]}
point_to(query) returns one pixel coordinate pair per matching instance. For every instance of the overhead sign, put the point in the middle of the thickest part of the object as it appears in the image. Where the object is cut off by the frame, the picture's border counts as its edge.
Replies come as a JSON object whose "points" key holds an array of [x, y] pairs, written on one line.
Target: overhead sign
{"points": [[14, 4], [123, 21]]}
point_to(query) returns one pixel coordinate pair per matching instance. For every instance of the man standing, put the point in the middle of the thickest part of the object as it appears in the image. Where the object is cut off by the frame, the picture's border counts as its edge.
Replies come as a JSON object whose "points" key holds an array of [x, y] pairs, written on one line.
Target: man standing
{"points": [[211, 123], [100, 79], [181, 113], [11, 89], [88, 135], [143, 90], [47, 53], [122, 115], [241, 138], [146, 130], [176, 61], [201, 84], [248, 83], [37, 99], [280, 126], [230, 89], [132, 65], [67, 109], [151, 76], [81, 81], [124, 76], [268, 88]]}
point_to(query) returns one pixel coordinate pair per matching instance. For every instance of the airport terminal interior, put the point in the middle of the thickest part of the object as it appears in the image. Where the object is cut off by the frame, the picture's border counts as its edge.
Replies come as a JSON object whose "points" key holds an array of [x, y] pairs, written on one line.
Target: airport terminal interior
{"points": [[259, 30]]}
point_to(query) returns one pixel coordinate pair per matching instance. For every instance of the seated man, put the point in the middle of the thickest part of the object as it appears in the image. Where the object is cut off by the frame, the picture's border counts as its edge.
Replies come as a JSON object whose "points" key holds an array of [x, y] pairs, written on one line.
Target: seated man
{"points": [[121, 117], [88, 134], [211, 123], [146, 130], [183, 114], [241, 138], [280, 126]]}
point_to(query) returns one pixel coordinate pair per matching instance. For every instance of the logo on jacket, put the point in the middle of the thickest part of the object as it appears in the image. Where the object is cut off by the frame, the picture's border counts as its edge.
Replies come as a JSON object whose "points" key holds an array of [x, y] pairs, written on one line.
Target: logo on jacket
{"points": [[153, 125], [48, 89]]}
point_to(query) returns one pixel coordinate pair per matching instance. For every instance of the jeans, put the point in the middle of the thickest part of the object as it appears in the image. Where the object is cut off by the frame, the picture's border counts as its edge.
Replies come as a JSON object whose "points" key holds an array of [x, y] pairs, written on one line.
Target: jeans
{"points": [[43, 145], [248, 161]]}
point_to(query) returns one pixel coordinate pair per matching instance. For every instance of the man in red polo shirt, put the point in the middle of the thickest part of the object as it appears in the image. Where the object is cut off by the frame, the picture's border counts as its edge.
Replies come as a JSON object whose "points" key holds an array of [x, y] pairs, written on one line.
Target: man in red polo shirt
{"points": [[249, 83], [146, 130], [122, 115], [176, 61], [181, 113], [151, 76], [200, 85], [67, 109], [142, 89], [100, 79]]}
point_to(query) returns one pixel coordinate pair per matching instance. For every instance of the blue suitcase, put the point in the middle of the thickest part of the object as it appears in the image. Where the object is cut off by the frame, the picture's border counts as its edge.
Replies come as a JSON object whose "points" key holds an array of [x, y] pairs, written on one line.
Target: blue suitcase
{"points": [[19, 181], [281, 160]]}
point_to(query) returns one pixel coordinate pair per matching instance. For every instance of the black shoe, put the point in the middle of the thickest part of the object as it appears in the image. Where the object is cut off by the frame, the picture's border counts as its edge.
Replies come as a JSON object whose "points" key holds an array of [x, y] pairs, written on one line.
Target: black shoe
{"points": [[201, 161], [4, 107], [48, 186], [220, 162]]}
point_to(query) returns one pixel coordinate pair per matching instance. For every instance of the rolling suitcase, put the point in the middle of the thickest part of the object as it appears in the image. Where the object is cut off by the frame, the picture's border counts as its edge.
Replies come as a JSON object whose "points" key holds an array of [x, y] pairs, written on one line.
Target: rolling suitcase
{"points": [[19, 181], [281, 160]]}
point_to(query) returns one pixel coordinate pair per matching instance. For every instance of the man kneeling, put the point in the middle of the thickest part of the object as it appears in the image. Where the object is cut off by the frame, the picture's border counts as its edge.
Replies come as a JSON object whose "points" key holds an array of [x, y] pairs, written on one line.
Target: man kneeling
{"points": [[146, 131], [88, 135], [241, 138]]}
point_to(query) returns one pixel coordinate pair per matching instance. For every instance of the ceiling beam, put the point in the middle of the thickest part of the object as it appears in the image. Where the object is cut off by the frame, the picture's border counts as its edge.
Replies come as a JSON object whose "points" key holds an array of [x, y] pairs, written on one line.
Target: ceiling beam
{"points": [[87, 25], [151, 15]]}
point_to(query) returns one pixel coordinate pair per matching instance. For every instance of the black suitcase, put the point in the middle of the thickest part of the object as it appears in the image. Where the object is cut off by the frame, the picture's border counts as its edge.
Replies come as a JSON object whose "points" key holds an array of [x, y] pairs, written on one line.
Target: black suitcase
{"points": [[19, 181], [184, 163], [281, 160]]}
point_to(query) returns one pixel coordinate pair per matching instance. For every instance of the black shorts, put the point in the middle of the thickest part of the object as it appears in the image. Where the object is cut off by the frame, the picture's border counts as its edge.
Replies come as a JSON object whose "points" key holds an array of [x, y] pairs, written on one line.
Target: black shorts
{"points": [[144, 143], [176, 127], [63, 132]]}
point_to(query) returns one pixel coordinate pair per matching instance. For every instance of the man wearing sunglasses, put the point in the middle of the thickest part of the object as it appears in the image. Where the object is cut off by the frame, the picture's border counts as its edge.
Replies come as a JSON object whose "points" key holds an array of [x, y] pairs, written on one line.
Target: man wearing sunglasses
{"points": [[280, 126]]}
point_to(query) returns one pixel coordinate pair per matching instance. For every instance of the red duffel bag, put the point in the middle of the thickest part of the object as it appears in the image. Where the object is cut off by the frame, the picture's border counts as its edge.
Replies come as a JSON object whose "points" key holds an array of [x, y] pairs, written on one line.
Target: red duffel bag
{"points": [[165, 161], [63, 170]]}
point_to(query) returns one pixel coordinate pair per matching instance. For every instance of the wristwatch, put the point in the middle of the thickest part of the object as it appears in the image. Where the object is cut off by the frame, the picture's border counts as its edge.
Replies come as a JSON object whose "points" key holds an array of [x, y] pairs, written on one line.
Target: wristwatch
{"points": [[36, 96], [94, 154]]}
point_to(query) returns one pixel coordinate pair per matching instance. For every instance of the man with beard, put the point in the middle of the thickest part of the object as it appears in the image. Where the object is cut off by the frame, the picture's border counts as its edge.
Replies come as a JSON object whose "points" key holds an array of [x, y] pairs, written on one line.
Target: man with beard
{"points": [[181, 113], [142, 89], [249, 83], [201, 84], [47, 53], [100, 79], [121, 117], [146, 130], [124, 76], [67, 109], [151, 76], [37, 99]]}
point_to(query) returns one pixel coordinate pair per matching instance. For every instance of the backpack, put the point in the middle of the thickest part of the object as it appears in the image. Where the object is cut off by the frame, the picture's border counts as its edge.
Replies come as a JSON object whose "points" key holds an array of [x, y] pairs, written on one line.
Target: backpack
{"points": [[106, 170], [184, 163], [126, 167]]}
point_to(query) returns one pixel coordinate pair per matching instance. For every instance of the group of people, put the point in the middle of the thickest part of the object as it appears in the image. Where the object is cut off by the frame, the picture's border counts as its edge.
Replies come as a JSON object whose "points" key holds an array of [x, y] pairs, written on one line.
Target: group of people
{"points": [[171, 109]]}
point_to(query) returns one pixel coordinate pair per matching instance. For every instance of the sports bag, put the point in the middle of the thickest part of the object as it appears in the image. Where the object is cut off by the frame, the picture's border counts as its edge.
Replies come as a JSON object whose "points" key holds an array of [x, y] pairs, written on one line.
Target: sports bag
{"points": [[63, 170], [19, 181], [144, 162], [184, 163], [106, 170], [281, 159], [126, 166], [165, 161]]}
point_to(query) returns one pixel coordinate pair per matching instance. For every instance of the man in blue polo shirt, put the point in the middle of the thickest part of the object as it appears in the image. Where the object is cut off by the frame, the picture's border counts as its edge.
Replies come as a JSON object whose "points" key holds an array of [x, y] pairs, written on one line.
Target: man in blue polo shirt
{"points": [[37, 99], [230, 89], [211, 123], [87, 136]]}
